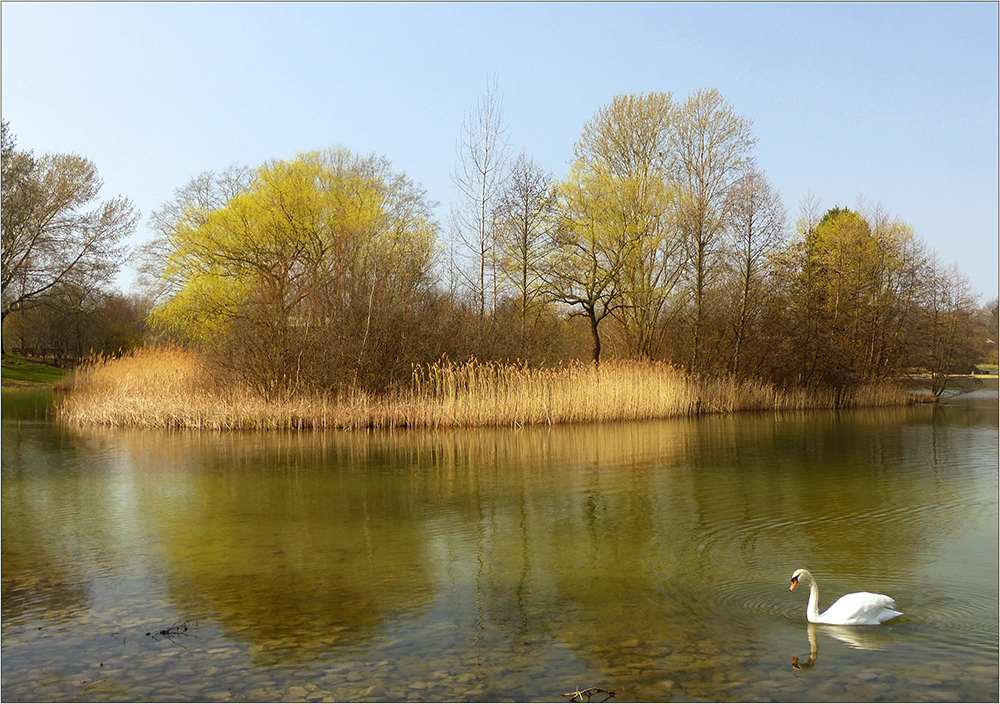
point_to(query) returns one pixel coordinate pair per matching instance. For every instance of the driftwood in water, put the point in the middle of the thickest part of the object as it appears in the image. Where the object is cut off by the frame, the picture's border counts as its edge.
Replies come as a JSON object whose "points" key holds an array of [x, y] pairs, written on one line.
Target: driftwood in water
{"points": [[171, 632], [578, 695]]}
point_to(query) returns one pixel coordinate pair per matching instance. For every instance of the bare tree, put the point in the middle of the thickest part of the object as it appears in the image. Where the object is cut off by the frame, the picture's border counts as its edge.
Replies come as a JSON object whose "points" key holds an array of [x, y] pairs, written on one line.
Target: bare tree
{"points": [[75, 322], [190, 207], [526, 216], [50, 238], [479, 175], [756, 218], [619, 192], [711, 151], [949, 341]]}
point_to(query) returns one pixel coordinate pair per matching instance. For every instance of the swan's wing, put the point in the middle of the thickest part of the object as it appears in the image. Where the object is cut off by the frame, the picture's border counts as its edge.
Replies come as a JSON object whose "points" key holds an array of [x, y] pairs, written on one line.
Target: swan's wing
{"points": [[860, 608]]}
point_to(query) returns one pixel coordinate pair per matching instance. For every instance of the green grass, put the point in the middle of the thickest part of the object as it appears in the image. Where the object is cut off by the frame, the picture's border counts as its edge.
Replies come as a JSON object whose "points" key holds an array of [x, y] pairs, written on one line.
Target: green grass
{"points": [[20, 372]]}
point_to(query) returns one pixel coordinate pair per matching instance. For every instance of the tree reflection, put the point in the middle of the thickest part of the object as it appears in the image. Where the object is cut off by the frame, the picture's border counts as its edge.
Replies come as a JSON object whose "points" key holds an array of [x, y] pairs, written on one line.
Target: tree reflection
{"points": [[291, 543], [43, 503]]}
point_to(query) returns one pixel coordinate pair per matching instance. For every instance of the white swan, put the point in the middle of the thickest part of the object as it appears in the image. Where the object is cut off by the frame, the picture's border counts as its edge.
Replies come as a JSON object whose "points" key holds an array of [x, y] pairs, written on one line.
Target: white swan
{"points": [[858, 609]]}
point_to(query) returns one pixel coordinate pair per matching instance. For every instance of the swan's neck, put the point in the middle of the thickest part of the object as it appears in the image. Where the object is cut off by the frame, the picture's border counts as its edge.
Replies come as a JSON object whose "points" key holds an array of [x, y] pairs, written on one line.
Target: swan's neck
{"points": [[812, 609]]}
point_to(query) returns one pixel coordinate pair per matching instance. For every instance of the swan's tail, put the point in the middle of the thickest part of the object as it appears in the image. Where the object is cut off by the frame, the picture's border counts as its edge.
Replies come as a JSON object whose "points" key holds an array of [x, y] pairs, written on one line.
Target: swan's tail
{"points": [[888, 614]]}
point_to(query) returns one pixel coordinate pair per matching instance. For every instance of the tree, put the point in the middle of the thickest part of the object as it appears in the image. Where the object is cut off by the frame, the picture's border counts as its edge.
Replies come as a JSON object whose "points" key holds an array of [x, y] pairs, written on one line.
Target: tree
{"points": [[526, 216], [73, 323], [479, 176], [756, 218], [586, 256], [951, 341], [191, 205], [991, 328], [839, 275], [899, 270], [304, 277], [619, 203], [53, 234], [859, 281], [710, 152]]}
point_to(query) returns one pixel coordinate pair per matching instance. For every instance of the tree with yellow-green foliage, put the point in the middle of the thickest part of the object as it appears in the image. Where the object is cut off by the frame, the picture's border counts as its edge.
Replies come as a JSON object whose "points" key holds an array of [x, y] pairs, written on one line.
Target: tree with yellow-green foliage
{"points": [[588, 252], [858, 289], [303, 274], [618, 251]]}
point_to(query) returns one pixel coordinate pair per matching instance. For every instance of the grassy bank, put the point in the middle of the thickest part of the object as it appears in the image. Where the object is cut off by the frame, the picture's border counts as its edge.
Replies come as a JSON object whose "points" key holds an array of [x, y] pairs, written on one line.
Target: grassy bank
{"points": [[17, 371], [170, 388]]}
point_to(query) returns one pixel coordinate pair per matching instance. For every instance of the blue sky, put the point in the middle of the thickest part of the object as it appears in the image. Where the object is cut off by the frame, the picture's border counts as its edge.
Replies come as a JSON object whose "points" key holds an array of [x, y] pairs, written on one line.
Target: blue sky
{"points": [[893, 102]]}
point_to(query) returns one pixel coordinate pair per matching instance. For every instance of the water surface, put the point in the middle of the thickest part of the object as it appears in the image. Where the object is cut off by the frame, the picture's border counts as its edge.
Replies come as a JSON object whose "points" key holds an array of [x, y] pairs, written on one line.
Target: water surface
{"points": [[650, 559]]}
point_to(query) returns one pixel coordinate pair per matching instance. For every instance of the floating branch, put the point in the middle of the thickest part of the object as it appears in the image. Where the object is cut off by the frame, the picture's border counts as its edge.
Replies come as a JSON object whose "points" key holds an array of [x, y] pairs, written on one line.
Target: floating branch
{"points": [[578, 695], [171, 632]]}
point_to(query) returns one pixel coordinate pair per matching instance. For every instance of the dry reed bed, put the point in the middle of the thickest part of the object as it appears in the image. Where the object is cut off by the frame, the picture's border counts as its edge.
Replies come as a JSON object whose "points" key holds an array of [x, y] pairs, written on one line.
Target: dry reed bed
{"points": [[170, 388]]}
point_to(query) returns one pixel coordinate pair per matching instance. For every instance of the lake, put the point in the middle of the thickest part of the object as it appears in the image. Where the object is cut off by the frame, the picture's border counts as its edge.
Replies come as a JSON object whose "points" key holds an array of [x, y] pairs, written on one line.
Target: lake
{"points": [[649, 559]]}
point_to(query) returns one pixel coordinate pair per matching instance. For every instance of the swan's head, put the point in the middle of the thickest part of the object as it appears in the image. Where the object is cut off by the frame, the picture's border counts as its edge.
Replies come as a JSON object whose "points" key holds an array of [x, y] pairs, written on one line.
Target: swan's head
{"points": [[800, 576]]}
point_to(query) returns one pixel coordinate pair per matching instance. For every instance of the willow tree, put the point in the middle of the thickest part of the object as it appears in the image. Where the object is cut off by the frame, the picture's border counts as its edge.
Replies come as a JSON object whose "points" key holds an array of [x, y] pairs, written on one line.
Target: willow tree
{"points": [[710, 152], [620, 181], [301, 275]]}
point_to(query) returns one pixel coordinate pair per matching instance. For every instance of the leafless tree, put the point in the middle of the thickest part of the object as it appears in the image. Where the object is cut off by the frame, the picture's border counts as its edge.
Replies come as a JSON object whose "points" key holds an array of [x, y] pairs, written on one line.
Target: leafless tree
{"points": [[479, 175], [53, 233], [525, 215], [711, 151], [756, 219]]}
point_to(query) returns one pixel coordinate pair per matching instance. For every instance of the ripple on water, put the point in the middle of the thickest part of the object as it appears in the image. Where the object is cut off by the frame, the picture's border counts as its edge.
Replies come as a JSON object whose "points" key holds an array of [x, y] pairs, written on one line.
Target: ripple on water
{"points": [[731, 547], [756, 597]]}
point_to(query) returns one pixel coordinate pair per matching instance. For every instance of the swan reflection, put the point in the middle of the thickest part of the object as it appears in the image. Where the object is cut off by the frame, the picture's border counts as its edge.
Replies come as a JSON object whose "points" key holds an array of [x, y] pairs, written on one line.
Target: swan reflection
{"points": [[859, 639], [813, 650]]}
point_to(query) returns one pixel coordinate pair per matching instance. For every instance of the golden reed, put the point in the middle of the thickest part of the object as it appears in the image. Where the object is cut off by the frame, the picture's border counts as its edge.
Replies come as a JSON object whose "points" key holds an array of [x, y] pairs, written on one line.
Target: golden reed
{"points": [[168, 387]]}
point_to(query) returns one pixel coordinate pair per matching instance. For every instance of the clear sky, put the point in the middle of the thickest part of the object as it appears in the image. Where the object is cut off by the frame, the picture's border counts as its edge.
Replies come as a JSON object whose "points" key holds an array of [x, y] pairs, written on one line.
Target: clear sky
{"points": [[896, 102]]}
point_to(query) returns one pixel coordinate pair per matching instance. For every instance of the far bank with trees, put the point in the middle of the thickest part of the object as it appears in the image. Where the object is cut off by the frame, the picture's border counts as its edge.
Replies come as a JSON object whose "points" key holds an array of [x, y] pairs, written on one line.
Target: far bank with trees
{"points": [[327, 275]]}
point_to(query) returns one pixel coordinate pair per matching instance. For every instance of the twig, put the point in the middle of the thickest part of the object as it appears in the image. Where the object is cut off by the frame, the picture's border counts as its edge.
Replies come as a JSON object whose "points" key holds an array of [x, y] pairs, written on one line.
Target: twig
{"points": [[578, 695], [178, 629]]}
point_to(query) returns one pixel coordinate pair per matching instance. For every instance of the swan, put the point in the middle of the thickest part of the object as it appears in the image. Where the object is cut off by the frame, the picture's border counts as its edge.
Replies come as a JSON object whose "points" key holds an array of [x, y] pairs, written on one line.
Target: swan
{"points": [[858, 609]]}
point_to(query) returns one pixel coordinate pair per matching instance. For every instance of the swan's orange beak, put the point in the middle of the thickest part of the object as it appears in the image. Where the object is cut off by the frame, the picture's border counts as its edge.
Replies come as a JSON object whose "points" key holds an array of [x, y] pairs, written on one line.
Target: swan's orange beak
{"points": [[794, 582]]}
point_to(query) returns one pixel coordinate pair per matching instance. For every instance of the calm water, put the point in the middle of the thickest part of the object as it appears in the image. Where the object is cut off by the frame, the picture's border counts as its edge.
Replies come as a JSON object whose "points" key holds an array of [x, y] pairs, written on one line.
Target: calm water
{"points": [[651, 559]]}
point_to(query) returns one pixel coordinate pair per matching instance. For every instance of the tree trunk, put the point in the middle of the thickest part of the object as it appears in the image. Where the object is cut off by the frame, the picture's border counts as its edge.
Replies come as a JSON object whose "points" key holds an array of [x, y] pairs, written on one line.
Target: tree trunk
{"points": [[597, 337]]}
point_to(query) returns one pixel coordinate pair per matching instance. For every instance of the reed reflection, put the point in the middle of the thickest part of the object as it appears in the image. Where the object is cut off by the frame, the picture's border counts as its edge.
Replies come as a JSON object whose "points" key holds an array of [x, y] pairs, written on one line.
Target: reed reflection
{"points": [[288, 541]]}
